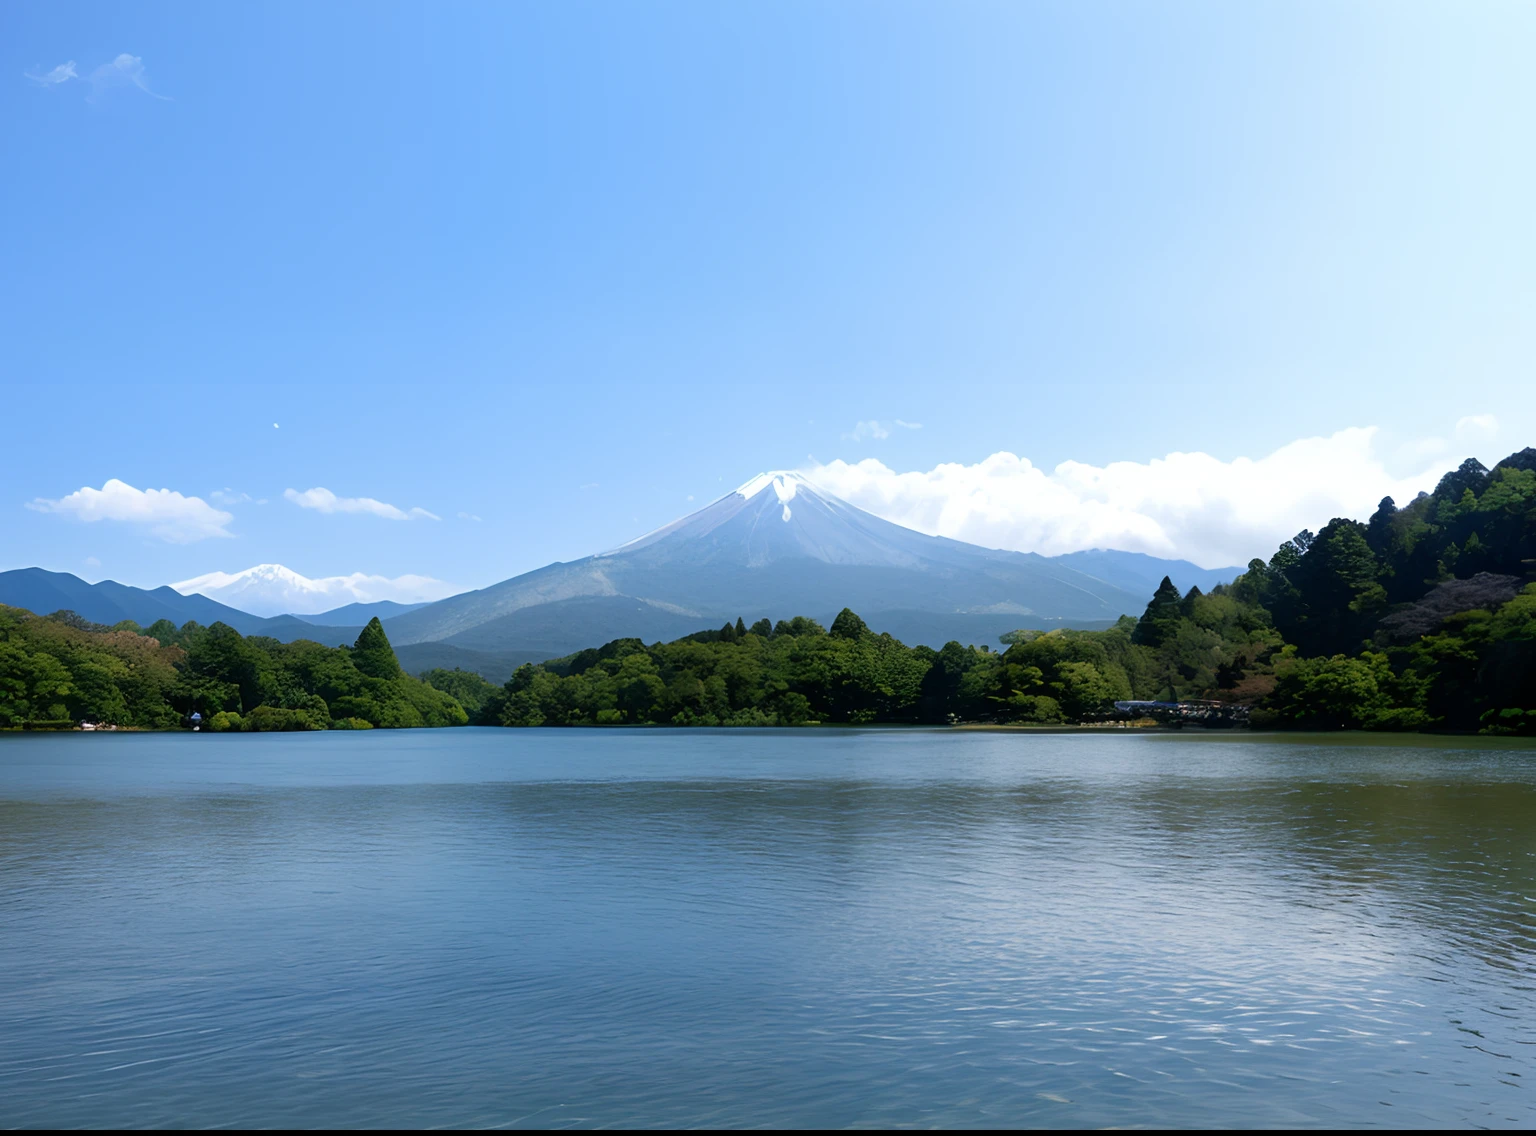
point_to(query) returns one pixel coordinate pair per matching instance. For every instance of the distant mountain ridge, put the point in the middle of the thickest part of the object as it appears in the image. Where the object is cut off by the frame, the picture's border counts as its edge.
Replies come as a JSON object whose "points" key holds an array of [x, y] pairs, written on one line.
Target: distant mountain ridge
{"points": [[776, 547], [780, 546], [358, 614], [1138, 572], [109, 602]]}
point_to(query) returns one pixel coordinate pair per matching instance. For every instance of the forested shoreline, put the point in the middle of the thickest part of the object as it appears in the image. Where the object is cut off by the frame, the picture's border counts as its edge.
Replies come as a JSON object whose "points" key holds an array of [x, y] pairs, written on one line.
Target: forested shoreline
{"points": [[59, 670], [1420, 618]]}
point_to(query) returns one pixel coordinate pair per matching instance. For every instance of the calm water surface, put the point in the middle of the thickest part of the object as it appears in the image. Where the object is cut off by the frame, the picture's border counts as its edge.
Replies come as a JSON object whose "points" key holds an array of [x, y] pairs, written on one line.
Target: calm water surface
{"points": [[549, 928]]}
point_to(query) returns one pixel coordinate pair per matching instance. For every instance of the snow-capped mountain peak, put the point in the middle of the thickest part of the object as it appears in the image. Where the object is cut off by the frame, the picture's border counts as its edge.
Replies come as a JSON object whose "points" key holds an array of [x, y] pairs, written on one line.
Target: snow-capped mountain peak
{"points": [[776, 546], [272, 589], [783, 483]]}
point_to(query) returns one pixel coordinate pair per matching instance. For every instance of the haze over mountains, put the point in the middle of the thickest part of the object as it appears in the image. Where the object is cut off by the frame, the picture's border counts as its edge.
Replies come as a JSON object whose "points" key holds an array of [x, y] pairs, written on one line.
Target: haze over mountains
{"points": [[776, 547]]}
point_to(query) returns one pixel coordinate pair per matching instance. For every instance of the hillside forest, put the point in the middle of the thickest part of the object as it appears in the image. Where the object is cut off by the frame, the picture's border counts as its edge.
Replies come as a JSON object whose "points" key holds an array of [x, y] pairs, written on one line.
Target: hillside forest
{"points": [[1422, 617], [58, 670]]}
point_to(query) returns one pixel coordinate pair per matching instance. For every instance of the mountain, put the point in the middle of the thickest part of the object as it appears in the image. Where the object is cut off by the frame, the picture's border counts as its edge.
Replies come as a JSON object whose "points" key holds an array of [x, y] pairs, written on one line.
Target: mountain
{"points": [[777, 547], [109, 602], [271, 589], [1141, 574], [417, 658], [287, 628], [358, 614]]}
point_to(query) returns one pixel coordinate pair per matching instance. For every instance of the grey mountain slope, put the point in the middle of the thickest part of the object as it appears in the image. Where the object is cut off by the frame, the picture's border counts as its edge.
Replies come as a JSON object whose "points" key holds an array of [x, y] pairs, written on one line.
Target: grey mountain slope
{"points": [[1139, 573], [358, 614], [564, 626], [288, 628], [778, 547], [497, 667]]}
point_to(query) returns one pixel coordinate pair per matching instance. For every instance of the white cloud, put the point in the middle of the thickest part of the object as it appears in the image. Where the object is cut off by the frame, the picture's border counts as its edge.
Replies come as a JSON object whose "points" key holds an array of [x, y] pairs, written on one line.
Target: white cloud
{"points": [[324, 501], [873, 428], [1472, 431], [870, 429], [167, 514], [228, 496], [1477, 428], [468, 517], [1190, 506], [63, 73], [124, 71], [271, 589]]}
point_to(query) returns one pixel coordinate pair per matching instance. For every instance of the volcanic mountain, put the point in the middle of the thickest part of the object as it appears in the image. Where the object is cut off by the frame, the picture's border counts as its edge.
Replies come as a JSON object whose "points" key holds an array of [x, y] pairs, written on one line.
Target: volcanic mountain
{"points": [[777, 547]]}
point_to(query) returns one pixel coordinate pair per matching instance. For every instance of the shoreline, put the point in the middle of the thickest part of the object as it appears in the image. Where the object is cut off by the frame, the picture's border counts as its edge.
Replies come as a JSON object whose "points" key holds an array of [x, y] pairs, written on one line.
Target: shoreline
{"points": [[1192, 732]]}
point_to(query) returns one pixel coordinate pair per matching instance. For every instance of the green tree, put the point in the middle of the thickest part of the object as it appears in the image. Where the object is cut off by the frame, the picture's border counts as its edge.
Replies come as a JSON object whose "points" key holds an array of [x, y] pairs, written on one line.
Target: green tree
{"points": [[1339, 593], [1340, 692], [372, 654], [847, 625], [469, 689], [1161, 617]]}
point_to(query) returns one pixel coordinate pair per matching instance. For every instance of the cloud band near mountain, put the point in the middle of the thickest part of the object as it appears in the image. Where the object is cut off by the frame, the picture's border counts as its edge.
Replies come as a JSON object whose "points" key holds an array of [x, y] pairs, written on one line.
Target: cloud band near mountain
{"points": [[271, 589], [1191, 506]]}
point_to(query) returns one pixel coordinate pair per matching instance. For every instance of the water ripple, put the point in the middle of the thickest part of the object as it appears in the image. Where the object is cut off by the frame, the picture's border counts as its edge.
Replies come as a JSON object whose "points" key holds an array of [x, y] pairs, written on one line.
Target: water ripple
{"points": [[546, 929]]}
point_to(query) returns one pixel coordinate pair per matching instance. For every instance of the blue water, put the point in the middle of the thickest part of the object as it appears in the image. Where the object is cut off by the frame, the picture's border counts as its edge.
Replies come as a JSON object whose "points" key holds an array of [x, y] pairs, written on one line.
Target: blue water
{"points": [[732, 928]]}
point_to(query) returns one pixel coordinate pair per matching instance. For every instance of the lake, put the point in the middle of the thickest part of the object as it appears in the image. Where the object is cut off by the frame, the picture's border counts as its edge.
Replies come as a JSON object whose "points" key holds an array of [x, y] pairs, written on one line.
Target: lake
{"points": [[794, 928]]}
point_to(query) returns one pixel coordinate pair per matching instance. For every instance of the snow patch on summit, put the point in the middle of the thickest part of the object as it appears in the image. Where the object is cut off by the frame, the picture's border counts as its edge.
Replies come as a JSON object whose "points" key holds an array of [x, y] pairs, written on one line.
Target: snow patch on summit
{"points": [[784, 486]]}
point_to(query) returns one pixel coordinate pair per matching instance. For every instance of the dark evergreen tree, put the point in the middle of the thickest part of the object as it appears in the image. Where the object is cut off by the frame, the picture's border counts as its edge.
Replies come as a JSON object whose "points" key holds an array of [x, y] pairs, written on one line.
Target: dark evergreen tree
{"points": [[941, 694], [1470, 474], [372, 653], [1289, 555], [1252, 586], [1161, 618], [1379, 532], [763, 627], [1524, 460], [741, 628], [1338, 592]]}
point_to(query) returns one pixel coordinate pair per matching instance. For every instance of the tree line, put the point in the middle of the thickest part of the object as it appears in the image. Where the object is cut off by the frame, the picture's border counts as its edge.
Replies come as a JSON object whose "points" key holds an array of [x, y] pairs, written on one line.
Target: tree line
{"points": [[1420, 618], [58, 670]]}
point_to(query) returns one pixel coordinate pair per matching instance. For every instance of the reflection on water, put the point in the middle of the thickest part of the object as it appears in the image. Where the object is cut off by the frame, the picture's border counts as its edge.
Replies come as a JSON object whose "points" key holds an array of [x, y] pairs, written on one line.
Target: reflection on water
{"points": [[732, 928]]}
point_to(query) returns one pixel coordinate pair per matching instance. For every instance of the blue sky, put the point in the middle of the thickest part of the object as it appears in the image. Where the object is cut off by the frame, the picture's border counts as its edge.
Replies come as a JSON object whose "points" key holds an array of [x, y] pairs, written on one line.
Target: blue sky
{"points": [[574, 269]]}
